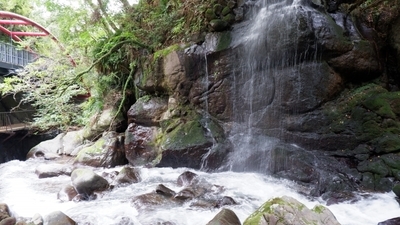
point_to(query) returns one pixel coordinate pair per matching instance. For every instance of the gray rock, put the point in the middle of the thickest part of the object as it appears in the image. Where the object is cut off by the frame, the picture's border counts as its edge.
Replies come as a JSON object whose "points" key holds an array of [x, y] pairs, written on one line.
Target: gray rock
{"points": [[225, 217], [52, 170], [86, 182], [67, 193], [108, 151], [127, 175], [58, 218], [288, 210]]}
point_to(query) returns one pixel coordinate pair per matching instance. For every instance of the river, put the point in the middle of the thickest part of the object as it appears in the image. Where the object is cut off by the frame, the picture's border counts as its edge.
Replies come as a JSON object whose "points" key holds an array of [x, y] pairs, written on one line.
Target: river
{"points": [[27, 195]]}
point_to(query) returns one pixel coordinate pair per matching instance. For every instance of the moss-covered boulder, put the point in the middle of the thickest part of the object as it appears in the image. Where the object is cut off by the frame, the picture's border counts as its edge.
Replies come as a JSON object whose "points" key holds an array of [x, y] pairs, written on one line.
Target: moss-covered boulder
{"points": [[108, 151], [287, 210], [186, 141]]}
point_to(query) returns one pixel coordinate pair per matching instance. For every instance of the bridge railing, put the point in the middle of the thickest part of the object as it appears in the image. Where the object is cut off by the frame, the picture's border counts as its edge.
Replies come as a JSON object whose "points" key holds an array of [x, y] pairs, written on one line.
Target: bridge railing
{"points": [[15, 57], [16, 120]]}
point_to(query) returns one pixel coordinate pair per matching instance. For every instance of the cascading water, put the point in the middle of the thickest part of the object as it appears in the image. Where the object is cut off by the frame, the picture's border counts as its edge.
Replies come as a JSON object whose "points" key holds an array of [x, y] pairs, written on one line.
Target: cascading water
{"points": [[258, 106], [270, 46]]}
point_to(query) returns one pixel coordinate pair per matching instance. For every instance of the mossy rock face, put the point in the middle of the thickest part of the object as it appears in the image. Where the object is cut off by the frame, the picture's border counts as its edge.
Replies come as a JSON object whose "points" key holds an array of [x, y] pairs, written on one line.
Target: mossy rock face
{"points": [[387, 143], [287, 210], [185, 141], [105, 152], [210, 15], [396, 190], [218, 9], [392, 160], [375, 166], [218, 25], [374, 182], [380, 104]]}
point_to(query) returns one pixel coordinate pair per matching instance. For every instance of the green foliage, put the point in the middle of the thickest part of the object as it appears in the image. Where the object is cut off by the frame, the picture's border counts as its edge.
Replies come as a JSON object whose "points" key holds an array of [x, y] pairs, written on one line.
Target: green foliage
{"points": [[45, 84]]}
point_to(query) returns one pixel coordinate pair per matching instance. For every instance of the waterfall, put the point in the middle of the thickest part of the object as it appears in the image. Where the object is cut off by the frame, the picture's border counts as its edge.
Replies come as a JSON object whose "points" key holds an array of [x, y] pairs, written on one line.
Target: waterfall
{"points": [[271, 48]]}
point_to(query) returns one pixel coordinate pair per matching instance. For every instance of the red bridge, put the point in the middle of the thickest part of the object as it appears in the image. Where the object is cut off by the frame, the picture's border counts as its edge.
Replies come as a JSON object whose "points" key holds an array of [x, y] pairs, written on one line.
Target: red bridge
{"points": [[11, 58]]}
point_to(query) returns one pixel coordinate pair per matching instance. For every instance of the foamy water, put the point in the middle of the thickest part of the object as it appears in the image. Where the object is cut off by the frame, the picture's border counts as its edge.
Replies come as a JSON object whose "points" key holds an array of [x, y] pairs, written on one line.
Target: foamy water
{"points": [[27, 195]]}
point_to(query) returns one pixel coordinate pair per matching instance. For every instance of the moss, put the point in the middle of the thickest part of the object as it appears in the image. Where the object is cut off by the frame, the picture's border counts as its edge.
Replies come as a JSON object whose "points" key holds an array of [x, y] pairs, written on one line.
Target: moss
{"points": [[88, 152], [224, 41], [255, 218], [387, 143], [396, 190], [374, 166], [371, 129], [380, 105], [392, 160], [164, 52], [185, 134], [225, 11], [210, 15], [96, 148], [319, 209], [218, 9], [229, 18]]}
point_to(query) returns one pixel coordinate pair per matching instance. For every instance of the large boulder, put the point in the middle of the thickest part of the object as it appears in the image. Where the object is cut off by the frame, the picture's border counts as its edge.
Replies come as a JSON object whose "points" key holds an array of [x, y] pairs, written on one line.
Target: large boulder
{"points": [[47, 149], [187, 140], [4, 211], [108, 151], [140, 148], [86, 182], [58, 218], [225, 217], [288, 210], [127, 175]]}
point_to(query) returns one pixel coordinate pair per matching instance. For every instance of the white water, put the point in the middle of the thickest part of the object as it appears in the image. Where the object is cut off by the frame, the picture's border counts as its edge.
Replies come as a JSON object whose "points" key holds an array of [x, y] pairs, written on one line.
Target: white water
{"points": [[27, 195]]}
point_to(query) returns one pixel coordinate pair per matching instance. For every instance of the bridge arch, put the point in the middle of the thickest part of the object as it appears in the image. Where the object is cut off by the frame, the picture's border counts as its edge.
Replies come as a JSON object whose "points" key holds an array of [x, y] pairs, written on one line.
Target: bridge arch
{"points": [[9, 18]]}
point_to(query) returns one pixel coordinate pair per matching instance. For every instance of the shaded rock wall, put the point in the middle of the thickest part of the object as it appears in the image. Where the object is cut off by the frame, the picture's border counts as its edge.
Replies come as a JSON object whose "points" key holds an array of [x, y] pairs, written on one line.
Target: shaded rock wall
{"points": [[304, 85]]}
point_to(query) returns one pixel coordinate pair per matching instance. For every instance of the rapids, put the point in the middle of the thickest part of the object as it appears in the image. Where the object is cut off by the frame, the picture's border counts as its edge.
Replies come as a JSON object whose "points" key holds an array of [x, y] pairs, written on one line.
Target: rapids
{"points": [[27, 195]]}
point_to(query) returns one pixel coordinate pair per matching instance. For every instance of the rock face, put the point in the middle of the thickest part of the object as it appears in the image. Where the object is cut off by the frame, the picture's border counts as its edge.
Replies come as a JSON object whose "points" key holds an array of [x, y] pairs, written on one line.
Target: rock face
{"points": [[298, 89], [287, 210], [295, 73]]}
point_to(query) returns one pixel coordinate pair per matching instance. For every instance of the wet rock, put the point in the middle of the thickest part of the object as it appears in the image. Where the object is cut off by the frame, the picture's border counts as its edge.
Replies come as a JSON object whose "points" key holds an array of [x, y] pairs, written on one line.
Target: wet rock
{"points": [[186, 178], [288, 210], [58, 218], [67, 193], [86, 182], [161, 189], [37, 219], [225, 217], [4, 211], [139, 144], [185, 194], [218, 25], [185, 145], [226, 200], [396, 190], [8, 221], [393, 221], [203, 203], [147, 110], [52, 170], [153, 200], [127, 175], [47, 149], [108, 151]]}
